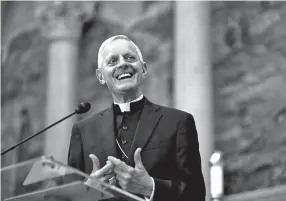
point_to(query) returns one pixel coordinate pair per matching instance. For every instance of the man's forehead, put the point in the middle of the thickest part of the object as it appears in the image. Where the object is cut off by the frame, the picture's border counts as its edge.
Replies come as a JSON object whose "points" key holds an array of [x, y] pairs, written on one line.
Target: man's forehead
{"points": [[118, 45]]}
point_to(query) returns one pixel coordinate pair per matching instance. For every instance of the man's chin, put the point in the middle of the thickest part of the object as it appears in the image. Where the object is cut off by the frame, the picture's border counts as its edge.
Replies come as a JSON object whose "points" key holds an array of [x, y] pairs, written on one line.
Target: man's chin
{"points": [[126, 87]]}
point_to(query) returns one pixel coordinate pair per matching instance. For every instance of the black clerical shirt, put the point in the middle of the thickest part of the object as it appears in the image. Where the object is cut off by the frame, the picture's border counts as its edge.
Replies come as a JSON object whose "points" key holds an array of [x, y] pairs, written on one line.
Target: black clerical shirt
{"points": [[125, 125]]}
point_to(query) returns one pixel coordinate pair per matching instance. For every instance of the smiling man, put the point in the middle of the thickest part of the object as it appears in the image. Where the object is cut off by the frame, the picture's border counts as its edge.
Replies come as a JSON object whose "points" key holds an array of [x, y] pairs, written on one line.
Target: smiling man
{"points": [[121, 67], [142, 147]]}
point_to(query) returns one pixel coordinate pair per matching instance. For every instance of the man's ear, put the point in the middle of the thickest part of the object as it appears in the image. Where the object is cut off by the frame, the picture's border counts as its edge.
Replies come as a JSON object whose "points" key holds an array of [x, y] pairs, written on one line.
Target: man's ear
{"points": [[99, 76], [144, 73]]}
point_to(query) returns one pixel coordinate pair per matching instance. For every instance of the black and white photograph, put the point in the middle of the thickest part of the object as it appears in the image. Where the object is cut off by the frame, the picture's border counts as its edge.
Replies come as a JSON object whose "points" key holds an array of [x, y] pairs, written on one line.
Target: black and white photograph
{"points": [[143, 100]]}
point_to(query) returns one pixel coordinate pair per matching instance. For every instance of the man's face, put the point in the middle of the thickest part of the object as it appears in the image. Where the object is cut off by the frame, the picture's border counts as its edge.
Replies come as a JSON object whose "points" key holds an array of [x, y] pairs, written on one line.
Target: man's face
{"points": [[122, 69]]}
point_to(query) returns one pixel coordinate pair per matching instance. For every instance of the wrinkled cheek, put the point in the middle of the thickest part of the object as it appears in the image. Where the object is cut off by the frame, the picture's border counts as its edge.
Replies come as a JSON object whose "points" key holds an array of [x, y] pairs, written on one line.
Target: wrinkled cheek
{"points": [[111, 86]]}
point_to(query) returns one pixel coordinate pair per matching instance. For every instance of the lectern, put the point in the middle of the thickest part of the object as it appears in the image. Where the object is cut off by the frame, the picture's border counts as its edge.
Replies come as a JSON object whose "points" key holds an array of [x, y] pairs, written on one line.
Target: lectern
{"points": [[45, 179]]}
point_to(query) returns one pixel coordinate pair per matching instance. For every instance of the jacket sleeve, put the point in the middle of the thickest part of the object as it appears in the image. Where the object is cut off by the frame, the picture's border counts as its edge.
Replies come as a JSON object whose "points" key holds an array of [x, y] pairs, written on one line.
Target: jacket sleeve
{"points": [[75, 154], [188, 184]]}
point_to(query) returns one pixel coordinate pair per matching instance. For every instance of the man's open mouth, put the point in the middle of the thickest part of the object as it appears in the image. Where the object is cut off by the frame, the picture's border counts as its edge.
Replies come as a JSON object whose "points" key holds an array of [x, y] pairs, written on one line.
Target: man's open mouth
{"points": [[124, 76]]}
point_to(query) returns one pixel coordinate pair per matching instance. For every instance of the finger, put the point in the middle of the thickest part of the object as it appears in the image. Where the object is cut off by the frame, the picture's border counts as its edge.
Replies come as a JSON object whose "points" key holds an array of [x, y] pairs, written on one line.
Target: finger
{"points": [[95, 162], [138, 160], [88, 182], [122, 184], [94, 180], [114, 160], [106, 178], [119, 165], [103, 171], [123, 167], [123, 176], [91, 182], [110, 171]]}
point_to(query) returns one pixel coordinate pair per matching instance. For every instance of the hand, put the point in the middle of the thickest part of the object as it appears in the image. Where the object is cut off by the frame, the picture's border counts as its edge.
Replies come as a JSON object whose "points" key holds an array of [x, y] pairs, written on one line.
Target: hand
{"points": [[97, 174], [135, 180]]}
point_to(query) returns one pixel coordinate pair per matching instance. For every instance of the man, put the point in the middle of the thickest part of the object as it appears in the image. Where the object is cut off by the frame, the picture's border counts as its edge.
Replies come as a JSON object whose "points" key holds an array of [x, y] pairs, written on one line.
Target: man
{"points": [[148, 149]]}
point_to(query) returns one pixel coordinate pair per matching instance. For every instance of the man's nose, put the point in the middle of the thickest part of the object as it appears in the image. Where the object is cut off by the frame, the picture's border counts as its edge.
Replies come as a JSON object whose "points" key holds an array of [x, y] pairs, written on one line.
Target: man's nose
{"points": [[122, 63]]}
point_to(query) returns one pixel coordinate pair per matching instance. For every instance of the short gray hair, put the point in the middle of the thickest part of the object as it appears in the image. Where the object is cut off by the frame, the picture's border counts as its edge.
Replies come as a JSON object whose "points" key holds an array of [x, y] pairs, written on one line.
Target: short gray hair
{"points": [[109, 40]]}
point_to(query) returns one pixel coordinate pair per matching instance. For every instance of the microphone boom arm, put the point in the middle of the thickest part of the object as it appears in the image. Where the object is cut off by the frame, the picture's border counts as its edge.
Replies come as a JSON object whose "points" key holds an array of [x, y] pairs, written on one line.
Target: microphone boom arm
{"points": [[28, 138]]}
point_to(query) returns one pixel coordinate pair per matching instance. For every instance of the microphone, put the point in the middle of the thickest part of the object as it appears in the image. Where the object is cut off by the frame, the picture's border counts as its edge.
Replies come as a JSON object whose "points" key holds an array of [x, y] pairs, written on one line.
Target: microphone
{"points": [[80, 109]]}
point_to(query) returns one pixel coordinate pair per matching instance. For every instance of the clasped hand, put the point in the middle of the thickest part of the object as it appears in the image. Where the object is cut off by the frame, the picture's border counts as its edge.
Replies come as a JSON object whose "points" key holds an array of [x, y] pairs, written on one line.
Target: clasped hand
{"points": [[135, 180]]}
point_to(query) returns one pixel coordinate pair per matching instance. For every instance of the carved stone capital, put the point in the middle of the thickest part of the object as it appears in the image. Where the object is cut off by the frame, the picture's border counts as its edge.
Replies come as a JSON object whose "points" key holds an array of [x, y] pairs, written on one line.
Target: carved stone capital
{"points": [[63, 19]]}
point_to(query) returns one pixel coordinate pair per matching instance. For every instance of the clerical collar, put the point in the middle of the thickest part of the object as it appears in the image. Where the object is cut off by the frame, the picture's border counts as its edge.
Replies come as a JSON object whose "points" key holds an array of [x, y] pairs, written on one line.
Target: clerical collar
{"points": [[125, 107]]}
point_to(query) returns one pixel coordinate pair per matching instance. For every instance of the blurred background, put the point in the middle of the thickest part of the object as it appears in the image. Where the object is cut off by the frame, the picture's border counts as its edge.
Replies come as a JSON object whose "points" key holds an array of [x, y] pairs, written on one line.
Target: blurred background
{"points": [[49, 56]]}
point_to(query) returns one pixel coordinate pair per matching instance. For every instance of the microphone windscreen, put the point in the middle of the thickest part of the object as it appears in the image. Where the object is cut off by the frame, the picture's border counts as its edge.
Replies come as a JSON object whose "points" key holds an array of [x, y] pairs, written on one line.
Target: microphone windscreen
{"points": [[82, 108]]}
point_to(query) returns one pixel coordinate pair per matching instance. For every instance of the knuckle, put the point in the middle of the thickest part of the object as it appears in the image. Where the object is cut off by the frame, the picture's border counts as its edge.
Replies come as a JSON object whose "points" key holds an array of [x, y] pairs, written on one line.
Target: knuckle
{"points": [[127, 177], [116, 170], [127, 184], [122, 185], [102, 179], [125, 180], [96, 174]]}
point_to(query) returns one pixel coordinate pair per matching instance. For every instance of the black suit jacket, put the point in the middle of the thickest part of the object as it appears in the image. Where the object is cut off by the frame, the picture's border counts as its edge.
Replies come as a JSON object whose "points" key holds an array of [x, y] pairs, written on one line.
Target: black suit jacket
{"points": [[170, 149]]}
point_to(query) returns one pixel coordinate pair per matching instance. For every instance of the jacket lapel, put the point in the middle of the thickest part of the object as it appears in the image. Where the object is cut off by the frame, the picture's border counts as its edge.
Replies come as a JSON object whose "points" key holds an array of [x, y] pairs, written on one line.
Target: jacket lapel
{"points": [[148, 121], [107, 135]]}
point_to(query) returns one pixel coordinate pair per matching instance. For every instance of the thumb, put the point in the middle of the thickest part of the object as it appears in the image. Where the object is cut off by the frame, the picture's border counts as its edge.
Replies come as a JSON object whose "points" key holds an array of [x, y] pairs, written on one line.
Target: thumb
{"points": [[95, 163], [137, 159]]}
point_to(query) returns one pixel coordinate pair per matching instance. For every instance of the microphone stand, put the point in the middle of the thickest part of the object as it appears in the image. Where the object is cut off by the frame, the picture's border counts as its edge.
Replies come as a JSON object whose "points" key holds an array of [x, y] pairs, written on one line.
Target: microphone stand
{"points": [[28, 138]]}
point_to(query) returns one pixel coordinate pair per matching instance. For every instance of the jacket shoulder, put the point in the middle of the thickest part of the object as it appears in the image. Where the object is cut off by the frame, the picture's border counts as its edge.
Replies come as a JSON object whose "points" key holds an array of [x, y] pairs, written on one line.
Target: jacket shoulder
{"points": [[174, 113], [91, 118]]}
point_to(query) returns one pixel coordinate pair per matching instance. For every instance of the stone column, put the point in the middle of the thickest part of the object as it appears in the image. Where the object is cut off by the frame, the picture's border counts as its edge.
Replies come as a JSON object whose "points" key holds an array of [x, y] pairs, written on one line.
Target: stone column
{"points": [[193, 73], [61, 24]]}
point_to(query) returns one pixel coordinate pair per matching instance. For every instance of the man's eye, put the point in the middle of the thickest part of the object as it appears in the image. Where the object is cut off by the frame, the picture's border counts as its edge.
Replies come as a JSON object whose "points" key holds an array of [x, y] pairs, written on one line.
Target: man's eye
{"points": [[130, 58], [112, 61]]}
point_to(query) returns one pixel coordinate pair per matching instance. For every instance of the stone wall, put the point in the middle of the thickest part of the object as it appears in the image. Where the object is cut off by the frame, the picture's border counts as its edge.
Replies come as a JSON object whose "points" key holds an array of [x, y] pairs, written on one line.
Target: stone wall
{"points": [[249, 80], [249, 65]]}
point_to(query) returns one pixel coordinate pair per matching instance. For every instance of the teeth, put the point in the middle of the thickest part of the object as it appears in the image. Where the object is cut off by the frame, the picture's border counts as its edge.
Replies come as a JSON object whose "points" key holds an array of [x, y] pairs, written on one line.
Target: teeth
{"points": [[124, 75]]}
